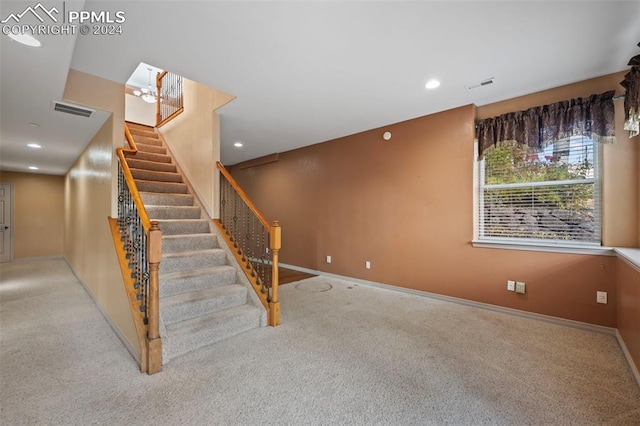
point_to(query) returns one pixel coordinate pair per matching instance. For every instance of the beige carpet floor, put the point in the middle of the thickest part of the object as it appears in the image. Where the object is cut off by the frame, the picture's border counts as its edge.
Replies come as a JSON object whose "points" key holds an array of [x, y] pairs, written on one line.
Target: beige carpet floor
{"points": [[344, 354]]}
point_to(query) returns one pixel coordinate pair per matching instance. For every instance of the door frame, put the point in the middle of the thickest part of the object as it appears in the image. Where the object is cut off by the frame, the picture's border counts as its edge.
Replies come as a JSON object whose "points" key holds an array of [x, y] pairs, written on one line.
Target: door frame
{"points": [[11, 210]]}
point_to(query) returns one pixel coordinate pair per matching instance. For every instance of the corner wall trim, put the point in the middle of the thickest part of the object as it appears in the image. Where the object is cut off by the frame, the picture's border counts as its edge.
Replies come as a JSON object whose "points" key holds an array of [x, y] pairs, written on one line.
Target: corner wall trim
{"points": [[134, 354], [627, 355], [501, 309]]}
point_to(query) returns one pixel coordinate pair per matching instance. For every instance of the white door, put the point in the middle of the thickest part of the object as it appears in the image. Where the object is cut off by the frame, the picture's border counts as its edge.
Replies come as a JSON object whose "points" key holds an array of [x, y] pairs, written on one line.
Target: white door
{"points": [[6, 252]]}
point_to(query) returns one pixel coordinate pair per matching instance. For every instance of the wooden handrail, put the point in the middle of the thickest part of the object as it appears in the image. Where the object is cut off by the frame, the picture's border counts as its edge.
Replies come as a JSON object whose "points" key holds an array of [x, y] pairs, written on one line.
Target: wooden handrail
{"points": [[130, 141], [151, 348], [243, 195], [252, 258]]}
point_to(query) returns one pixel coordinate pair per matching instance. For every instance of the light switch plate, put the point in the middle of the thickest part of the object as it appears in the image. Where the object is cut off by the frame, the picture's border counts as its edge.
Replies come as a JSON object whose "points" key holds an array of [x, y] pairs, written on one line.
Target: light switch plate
{"points": [[601, 297]]}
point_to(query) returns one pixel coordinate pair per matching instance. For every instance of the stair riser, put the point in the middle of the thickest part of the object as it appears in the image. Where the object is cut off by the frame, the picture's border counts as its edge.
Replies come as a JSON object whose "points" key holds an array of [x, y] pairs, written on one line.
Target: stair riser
{"points": [[173, 212], [208, 333], [195, 261], [156, 176], [192, 309], [152, 199], [175, 286], [164, 187], [155, 149], [151, 165], [142, 133], [171, 244], [141, 140], [169, 227], [148, 156]]}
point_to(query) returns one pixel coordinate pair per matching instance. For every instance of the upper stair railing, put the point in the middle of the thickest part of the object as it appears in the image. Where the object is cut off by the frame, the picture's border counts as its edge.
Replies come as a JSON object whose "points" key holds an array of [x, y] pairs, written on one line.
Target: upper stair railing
{"points": [[170, 97], [140, 253], [254, 242]]}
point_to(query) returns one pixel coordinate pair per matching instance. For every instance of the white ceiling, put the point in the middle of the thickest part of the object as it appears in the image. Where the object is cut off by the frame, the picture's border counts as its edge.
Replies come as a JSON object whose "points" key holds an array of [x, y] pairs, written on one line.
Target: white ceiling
{"points": [[306, 72]]}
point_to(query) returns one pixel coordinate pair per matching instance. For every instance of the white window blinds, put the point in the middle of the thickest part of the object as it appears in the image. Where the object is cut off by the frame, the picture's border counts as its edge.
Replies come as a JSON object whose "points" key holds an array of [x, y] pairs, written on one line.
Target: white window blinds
{"points": [[551, 195]]}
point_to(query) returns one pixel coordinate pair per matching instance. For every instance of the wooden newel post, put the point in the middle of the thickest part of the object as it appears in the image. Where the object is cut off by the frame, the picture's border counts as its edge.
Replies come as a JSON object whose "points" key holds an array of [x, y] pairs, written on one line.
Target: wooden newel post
{"points": [[159, 88], [274, 304], [154, 354]]}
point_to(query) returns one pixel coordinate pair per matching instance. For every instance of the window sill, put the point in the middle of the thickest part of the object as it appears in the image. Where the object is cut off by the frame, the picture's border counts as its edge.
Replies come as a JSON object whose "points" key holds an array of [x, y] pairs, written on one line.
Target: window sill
{"points": [[630, 256], [551, 248]]}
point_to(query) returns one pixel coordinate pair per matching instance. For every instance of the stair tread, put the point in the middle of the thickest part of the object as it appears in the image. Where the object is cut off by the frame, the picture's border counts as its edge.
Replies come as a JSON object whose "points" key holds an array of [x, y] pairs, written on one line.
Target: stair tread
{"points": [[176, 236], [190, 253], [199, 295], [164, 197], [205, 321], [193, 304], [194, 272], [156, 175], [149, 165]]}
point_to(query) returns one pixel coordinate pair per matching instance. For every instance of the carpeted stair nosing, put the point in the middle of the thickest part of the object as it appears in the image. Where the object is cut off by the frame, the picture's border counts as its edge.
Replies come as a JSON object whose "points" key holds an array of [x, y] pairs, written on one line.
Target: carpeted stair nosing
{"points": [[151, 165], [172, 262], [183, 226], [164, 199], [180, 282], [182, 242], [157, 186], [186, 336], [153, 175], [203, 302]]}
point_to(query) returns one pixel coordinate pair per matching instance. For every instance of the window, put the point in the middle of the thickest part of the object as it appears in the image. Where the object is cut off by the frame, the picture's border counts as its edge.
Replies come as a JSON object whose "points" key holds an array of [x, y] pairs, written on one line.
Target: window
{"points": [[548, 195]]}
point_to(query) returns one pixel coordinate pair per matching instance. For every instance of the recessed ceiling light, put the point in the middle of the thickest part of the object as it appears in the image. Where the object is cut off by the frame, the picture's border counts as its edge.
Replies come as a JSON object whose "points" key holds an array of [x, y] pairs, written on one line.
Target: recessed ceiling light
{"points": [[238, 144], [432, 84], [26, 39], [33, 168], [34, 125], [34, 145]]}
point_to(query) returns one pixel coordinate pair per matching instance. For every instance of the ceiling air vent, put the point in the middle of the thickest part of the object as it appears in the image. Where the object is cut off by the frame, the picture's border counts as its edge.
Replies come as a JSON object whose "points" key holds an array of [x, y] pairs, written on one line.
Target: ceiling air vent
{"points": [[72, 109], [480, 84]]}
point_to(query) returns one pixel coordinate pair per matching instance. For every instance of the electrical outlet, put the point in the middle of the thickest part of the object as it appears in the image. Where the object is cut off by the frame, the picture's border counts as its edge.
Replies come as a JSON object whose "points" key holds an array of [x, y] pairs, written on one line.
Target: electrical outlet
{"points": [[520, 287], [328, 259], [367, 264], [601, 297], [511, 285]]}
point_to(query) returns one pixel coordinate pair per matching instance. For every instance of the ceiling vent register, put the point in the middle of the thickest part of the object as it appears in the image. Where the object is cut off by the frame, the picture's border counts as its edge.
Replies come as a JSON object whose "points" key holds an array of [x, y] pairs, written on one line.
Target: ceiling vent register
{"points": [[72, 109]]}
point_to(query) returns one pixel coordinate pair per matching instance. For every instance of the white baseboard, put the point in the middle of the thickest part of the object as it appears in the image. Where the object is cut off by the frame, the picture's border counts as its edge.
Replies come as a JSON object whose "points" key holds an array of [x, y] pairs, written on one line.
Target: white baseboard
{"points": [[114, 327], [555, 320], [31, 259]]}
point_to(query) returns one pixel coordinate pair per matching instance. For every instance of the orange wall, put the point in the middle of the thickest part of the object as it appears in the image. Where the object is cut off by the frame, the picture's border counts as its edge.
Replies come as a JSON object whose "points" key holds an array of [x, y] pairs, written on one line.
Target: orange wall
{"points": [[406, 205], [629, 309], [38, 214]]}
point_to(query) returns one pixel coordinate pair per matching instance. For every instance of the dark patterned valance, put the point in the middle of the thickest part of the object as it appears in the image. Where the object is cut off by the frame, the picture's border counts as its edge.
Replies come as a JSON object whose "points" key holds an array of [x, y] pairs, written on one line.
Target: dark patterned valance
{"points": [[540, 126], [632, 97]]}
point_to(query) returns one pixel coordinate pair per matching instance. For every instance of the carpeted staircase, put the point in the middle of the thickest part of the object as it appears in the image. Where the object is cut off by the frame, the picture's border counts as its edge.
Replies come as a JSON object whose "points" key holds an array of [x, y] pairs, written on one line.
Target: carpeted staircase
{"points": [[201, 298]]}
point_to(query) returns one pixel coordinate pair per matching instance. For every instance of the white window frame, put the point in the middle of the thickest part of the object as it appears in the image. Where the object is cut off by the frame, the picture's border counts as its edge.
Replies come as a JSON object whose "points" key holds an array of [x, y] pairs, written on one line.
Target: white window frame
{"points": [[559, 246]]}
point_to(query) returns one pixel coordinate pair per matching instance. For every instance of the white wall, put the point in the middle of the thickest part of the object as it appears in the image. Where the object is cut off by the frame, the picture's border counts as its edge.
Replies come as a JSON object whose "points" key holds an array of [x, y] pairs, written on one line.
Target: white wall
{"points": [[138, 111]]}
